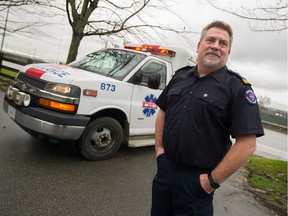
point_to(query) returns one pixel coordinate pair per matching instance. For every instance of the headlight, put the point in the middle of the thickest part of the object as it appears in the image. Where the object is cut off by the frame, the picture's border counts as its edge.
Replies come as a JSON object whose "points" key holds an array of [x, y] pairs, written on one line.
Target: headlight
{"points": [[62, 93], [63, 89]]}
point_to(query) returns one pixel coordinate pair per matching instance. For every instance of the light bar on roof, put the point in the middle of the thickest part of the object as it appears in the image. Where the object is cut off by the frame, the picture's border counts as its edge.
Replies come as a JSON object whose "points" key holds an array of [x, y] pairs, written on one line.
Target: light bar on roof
{"points": [[154, 49]]}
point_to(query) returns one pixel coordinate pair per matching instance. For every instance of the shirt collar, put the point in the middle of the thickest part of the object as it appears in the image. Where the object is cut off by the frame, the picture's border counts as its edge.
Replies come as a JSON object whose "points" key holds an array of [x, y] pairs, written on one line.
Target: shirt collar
{"points": [[217, 75]]}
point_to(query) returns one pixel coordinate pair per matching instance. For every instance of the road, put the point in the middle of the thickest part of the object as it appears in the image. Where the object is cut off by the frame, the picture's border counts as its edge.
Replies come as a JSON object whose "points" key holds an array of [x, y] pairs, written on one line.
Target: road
{"points": [[43, 179], [273, 145]]}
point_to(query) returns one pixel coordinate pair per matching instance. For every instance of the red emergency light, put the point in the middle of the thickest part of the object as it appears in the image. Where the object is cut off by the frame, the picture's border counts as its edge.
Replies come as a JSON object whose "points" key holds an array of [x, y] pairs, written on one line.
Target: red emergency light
{"points": [[155, 49]]}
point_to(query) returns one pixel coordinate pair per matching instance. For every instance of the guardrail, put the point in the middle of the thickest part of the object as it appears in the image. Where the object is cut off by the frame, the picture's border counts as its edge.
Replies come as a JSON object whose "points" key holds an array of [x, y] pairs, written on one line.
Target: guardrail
{"points": [[11, 63], [276, 127], [272, 121]]}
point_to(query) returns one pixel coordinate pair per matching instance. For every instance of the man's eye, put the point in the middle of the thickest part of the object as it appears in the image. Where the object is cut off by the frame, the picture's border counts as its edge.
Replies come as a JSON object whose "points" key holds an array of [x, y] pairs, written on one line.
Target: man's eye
{"points": [[223, 44], [210, 40]]}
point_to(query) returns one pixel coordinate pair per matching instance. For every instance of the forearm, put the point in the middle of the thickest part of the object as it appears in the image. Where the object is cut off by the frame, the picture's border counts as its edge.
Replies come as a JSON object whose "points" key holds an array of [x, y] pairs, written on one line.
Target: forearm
{"points": [[234, 159], [159, 126], [244, 147]]}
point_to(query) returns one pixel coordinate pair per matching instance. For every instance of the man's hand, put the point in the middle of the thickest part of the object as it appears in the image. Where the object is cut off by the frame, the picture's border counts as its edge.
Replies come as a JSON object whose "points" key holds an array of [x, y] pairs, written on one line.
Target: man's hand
{"points": [[204, 181]]}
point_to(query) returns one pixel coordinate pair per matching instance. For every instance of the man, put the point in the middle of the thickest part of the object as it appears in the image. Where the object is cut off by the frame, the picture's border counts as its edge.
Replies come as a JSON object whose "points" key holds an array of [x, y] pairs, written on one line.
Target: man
{"points": [[200, 109]]}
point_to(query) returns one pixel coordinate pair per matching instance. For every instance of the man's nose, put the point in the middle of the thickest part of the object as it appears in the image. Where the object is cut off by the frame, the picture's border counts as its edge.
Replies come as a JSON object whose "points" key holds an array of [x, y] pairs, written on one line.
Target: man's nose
{"points": [[215, 45]]}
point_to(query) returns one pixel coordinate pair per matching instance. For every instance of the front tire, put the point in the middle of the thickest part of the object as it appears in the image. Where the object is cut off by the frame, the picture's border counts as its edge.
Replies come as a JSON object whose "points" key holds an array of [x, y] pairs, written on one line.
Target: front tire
{"points": [[101, 139]]}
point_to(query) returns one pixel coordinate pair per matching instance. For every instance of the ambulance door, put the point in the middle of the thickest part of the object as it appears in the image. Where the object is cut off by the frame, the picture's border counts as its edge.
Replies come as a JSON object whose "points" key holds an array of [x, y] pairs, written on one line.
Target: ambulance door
{"points": [[143, 108]]}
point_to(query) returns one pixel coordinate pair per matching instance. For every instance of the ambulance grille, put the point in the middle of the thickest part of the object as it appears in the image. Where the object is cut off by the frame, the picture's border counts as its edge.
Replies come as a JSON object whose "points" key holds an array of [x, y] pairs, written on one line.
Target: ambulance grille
{"points": [[37, 83]]}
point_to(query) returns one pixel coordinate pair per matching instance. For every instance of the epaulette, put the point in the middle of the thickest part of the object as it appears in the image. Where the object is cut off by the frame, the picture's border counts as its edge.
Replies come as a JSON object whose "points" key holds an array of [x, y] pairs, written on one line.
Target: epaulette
{"points": [[245, 81], [183, 68]]}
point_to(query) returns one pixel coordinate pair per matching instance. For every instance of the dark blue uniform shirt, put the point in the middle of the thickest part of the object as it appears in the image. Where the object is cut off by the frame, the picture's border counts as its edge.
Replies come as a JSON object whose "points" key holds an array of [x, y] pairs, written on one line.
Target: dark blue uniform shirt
{"points": [[202, 113]]}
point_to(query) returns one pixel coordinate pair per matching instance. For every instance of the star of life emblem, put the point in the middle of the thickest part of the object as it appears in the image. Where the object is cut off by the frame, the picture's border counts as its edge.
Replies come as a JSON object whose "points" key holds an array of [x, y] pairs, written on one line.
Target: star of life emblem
{"points": [[149, 106]]}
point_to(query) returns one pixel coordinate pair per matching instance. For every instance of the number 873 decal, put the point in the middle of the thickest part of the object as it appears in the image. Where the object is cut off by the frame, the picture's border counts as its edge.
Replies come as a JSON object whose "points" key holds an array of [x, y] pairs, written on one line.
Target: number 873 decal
{"points": [[108, 87]]}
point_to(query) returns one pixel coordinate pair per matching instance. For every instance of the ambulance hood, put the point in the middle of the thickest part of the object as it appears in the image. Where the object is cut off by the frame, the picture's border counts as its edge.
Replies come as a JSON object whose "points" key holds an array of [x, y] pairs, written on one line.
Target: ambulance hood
{"points": [[60, 73]]}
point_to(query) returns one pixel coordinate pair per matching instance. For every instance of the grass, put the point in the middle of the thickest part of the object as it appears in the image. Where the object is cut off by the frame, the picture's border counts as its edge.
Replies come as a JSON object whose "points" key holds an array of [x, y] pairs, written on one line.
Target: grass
{"points": [[9, 73], [268, 178]]}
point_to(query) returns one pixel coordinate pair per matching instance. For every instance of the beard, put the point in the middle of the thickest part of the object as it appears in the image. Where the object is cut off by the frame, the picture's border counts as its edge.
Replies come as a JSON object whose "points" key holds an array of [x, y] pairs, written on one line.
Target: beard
{"points": [[210, 62]]}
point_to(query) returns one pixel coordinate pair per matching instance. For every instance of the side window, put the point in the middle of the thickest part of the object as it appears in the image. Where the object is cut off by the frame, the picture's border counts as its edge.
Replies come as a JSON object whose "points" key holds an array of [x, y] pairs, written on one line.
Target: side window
{"points": [[149, 68]]}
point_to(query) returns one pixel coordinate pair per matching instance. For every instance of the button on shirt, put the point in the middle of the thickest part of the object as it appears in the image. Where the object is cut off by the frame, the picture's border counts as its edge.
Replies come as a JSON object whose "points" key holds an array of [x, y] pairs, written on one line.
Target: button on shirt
{"points": [[202, 113]]}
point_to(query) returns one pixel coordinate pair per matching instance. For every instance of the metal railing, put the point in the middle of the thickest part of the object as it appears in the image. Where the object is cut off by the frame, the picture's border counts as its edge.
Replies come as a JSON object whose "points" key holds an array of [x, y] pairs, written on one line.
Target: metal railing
{"points": [[11, 63]]}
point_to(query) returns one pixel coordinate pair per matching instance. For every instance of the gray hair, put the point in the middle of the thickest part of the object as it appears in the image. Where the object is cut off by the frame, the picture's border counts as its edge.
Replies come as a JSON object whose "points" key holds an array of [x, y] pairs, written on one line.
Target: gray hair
{"points": [[221, 25]]}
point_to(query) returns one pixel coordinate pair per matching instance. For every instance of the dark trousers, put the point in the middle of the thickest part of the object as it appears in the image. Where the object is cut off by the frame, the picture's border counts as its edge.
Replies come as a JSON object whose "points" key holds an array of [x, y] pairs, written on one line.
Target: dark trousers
{"points": [[176, 191]]}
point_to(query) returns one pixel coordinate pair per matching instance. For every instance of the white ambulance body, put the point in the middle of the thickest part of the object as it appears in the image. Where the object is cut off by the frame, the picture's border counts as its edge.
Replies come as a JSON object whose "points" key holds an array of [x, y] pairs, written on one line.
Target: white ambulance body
{"points": [[103, 100]]}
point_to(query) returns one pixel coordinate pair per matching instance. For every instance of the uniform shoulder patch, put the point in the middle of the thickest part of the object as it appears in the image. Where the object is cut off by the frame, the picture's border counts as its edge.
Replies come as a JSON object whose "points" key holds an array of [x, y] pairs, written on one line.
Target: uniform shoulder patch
{"points": [[250, 96], [245, 81]]}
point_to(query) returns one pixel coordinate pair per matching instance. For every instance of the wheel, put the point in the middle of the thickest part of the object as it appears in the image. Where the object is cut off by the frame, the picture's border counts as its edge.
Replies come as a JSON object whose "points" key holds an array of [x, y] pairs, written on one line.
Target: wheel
{"points": [[101, 139]]}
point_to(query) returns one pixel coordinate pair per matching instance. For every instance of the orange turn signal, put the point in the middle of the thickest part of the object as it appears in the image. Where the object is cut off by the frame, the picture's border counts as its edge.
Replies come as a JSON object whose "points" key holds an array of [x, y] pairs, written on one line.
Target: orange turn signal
{"points": [[57, 105]]}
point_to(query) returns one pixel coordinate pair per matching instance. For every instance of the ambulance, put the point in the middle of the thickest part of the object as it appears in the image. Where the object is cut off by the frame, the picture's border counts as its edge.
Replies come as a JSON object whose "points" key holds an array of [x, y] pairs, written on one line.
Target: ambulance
{"points": [[101, 101]]}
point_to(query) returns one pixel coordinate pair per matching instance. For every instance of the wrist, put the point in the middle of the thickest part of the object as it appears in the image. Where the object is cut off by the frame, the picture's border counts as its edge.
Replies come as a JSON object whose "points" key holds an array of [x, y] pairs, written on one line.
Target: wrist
{"points": [[213, 183], [159, 151]]}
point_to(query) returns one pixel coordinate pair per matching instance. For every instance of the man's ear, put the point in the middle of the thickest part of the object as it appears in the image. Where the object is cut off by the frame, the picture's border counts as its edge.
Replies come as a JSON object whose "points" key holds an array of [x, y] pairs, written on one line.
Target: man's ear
{"points": [[198, 45]]}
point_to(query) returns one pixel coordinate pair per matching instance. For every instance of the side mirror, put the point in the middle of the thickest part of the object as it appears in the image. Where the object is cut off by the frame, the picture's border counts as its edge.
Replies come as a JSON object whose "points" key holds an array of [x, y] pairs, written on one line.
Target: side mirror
{"points": [[154, 80], [137, 79]]}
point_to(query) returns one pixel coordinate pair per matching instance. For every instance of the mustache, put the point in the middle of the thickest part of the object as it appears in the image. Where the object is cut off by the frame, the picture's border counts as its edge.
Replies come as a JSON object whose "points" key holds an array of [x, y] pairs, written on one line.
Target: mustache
{"points": [[214, 53]]}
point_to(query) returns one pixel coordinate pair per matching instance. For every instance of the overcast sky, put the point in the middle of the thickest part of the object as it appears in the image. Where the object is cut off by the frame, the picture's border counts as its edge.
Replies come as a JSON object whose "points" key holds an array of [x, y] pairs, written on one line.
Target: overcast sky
{"points": [[260, 57]]}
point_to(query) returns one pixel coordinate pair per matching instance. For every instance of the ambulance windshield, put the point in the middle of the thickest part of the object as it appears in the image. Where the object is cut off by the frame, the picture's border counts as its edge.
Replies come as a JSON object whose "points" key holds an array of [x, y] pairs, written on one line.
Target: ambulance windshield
{"points": [[110, 62]]}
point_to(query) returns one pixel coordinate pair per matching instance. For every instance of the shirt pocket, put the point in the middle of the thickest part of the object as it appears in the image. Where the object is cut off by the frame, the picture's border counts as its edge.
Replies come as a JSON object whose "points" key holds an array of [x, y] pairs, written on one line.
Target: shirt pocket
{"points": [[209, 101], [215, 109], [172, 95], [174, 92]]}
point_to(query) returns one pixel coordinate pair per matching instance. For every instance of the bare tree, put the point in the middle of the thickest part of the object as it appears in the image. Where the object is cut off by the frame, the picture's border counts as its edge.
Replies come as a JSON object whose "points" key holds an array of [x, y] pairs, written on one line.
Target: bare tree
{"points": [[25, 16], [120, 19], [19, 2], [267, 16]]}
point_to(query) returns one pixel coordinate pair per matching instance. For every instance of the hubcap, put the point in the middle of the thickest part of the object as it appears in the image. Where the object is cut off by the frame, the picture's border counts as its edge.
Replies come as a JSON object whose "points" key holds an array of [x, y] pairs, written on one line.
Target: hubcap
{"points": [[101, 138]]}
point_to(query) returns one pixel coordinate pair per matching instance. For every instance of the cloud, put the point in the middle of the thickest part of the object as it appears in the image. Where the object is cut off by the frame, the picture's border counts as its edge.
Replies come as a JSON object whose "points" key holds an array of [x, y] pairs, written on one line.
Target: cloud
{"points": [[262, 74], [261, 46]]}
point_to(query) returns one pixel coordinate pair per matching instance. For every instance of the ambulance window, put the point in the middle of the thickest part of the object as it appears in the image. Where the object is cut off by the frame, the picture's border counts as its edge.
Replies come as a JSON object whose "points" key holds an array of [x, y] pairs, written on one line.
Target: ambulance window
{"points": [[152, 67], [110, 62]]}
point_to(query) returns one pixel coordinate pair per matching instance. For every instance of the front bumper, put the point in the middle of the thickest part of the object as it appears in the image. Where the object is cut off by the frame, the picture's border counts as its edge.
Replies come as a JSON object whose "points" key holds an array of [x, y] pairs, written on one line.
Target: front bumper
{"points": [[47, 123]]}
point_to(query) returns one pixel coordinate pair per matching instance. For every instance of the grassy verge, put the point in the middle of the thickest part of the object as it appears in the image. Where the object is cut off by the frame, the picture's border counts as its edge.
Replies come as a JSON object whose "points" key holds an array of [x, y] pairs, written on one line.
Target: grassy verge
{"points": [[268, 179], [9, 73]]}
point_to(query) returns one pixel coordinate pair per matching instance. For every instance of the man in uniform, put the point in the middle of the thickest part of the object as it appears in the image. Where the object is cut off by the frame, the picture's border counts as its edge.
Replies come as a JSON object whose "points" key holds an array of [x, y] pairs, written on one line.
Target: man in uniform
{"points": [[200, 109]]}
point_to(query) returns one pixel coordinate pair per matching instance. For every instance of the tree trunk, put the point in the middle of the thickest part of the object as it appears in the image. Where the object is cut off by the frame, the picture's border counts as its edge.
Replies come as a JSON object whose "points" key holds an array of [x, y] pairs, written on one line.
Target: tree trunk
{"points": [[74, 46]]}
